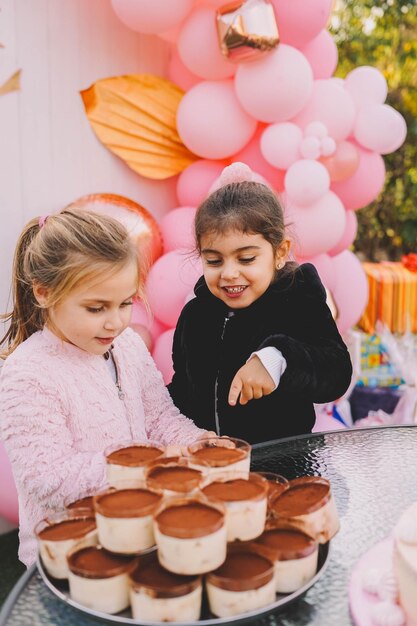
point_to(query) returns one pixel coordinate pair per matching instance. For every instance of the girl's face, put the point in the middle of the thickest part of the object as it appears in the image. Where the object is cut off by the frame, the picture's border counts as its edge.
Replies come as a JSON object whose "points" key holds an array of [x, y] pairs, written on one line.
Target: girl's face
{"points": [[239, 267], [94, 314]]}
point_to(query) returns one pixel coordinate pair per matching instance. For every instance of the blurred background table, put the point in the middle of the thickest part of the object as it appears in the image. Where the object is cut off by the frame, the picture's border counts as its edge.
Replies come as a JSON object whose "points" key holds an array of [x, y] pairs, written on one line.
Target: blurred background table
{"points": [[372, 473]]}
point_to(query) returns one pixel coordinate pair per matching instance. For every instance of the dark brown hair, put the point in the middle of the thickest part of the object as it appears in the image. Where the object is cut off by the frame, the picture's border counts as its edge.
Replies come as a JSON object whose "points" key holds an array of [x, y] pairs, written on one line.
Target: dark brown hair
{"points": [[71, 247], [248, 207]]}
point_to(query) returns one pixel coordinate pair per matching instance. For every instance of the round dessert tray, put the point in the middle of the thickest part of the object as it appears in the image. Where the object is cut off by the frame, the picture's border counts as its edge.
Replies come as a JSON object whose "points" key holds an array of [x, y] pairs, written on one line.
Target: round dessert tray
{"points": [[60, 589], [361, 602]]}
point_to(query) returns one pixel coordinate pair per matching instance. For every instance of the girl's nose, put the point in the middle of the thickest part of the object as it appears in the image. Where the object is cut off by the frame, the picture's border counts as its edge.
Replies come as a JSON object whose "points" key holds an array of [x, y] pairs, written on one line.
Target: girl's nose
{"points": [[230, 271], [113, 321]]}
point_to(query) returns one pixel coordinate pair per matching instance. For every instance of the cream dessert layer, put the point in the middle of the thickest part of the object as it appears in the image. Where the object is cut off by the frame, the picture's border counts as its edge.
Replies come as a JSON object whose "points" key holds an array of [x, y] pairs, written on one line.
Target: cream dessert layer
{"points": [[295, 557], [191, 535], [99, 579], [173, 477], [58, 534], [246, 503], [243, 583], [308, 506], [124, 519], [405, 562], [159, 595], [127, 463], [220, 455]]}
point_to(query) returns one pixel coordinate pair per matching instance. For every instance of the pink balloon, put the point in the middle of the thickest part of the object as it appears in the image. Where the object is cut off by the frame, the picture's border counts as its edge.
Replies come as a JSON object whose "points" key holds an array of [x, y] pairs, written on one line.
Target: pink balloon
{"points": [[169, 281], [277, 86], [9, 507], [151, 17], [365, 184], [280, 144], [348, 236], [211, 122], [343, 163], [198, 46], [306, 181], [321, 53], [319, 227], [162, 354], [171, 35], [324, 266], [252, 156], [351, 290], [366, 85], [195, 181], [177, 229], [179, 74], [300, 21], [144, 333], [331, 104], [142, 317], [381, 128]]}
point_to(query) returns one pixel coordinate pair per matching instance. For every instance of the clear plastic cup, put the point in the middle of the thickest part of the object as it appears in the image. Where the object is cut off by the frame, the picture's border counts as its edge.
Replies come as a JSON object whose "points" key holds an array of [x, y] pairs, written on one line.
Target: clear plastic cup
{"points": [[222, 454]]}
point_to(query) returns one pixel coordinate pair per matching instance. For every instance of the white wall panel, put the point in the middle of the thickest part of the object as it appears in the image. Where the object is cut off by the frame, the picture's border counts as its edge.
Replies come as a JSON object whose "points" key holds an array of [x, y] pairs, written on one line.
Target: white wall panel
{"points": [[48, 153]]}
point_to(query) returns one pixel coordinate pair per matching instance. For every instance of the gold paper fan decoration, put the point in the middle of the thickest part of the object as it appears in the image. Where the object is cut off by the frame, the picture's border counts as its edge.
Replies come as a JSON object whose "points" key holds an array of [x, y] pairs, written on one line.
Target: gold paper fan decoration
{"points": [[135, 117]]}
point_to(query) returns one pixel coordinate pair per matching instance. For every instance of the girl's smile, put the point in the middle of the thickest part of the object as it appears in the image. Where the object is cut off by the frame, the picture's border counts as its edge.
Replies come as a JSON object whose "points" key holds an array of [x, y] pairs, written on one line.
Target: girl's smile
{"points": [[239, 267]]}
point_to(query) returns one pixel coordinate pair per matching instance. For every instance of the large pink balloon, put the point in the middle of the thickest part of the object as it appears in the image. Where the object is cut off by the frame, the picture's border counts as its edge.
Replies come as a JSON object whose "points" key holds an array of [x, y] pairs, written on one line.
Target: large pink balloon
{"points": [[211, 122], [343, 163], [325, 268], [280, 144], [162, 354], [348, 236], [366, 85], [306, 181], [351, 290], [381, 128], [331, 104], [9, 508], [299, 21], [195, 181], [321, 53], [179, 74], [318, 228], [169, 282], [141, 316], [277, 86], [177, 228], [365, 184], [253, 157], [198, 46], [151, 17]]}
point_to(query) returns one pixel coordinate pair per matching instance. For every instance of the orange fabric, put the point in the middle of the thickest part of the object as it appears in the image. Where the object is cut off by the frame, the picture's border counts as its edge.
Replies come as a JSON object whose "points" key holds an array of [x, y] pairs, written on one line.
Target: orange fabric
{"points": [[135, 117], [392, 297]]}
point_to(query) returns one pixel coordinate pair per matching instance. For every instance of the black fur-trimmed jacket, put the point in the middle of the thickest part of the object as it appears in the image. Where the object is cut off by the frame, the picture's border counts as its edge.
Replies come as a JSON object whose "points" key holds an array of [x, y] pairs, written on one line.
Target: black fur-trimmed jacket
{"points": [[292, 315]]}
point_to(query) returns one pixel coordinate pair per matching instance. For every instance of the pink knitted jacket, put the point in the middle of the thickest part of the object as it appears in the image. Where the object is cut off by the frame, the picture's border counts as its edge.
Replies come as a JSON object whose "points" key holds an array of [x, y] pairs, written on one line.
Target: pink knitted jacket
{"points": [[59, 410]]}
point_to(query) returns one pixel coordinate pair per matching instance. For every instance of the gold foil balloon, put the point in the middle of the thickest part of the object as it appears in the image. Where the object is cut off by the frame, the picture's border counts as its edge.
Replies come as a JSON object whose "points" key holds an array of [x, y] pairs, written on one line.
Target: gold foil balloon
{"points": [[139, 223], [246, 29]]}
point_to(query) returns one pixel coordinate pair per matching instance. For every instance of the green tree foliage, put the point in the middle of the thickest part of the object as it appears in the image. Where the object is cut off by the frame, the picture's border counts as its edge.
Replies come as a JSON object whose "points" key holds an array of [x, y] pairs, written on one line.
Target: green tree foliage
{"points": [[384, 34]]}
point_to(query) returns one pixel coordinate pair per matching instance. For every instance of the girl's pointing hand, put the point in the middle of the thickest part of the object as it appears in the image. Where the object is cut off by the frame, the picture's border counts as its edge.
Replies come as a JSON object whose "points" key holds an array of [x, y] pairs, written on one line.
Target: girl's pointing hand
{"points": [[251, 382]]}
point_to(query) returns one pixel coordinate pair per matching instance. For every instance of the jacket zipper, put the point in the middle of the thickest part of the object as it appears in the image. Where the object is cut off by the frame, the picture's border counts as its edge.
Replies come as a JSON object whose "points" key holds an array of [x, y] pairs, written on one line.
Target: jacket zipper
{"points": [[216, 414], [116, 369]]}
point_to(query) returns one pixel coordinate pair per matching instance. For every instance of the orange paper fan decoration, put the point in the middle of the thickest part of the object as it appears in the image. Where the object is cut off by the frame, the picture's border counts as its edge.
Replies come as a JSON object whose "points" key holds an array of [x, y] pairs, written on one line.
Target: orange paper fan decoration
{"points": [[135, 117]]}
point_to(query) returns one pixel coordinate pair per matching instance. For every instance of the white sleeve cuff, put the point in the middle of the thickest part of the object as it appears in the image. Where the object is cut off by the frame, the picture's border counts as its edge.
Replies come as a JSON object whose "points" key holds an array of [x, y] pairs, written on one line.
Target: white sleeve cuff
{"points": [[273, 361]]}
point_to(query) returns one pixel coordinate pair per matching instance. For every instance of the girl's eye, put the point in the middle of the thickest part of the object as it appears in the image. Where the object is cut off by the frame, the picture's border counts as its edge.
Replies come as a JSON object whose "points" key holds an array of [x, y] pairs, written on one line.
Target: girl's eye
{"points": [[130, 303], [247, 259], [213, 261], [92, 309]]}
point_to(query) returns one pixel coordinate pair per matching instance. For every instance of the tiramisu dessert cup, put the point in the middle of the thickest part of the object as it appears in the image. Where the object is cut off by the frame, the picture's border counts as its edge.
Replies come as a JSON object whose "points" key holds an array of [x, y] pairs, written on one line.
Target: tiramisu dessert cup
{"points": [[128, 461], [174, 476], [99, 579], [159, 595], [84, 501], [124, 518], [224, 454], [190, 534], [245, 498], [59, 533], [308, 505], [295, 557], [276, 484], [245, 582]]}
